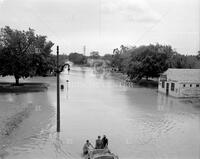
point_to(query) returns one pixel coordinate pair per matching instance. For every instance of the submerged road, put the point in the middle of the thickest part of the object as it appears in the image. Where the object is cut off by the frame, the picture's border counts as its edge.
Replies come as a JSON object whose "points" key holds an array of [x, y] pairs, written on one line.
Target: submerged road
{"points": [[139, 122]]}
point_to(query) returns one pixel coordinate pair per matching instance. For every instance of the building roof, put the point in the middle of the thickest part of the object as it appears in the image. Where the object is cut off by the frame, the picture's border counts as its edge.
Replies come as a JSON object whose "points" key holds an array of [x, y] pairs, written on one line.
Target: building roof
{"points": [[183, 75]]}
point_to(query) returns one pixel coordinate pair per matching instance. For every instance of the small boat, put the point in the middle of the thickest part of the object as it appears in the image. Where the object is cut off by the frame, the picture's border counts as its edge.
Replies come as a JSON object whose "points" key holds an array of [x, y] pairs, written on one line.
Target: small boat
{"points": [[101, 154]]}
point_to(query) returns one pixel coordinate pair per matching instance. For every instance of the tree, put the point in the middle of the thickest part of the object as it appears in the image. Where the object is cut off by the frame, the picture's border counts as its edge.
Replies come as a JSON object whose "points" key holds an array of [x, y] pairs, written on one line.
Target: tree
{"points": [[77, 58], [18, 56], [108, 57], [43, 58], [148, 61], [117, 60], [121, 58], [123, 49], [198, 55], [94, 55]]}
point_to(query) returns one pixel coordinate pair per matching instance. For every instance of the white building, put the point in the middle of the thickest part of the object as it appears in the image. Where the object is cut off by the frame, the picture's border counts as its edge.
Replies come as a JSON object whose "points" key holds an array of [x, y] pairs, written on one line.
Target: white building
{"points": [[180, 82]]}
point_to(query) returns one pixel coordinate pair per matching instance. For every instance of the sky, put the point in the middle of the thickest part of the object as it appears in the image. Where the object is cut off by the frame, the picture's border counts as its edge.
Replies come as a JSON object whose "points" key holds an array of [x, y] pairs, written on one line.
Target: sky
{"points": [[103, 25]]}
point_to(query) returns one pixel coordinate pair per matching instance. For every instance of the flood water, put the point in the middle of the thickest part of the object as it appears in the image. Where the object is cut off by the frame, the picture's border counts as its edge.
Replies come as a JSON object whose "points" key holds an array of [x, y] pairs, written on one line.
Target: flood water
{"points": [[139, 122]]}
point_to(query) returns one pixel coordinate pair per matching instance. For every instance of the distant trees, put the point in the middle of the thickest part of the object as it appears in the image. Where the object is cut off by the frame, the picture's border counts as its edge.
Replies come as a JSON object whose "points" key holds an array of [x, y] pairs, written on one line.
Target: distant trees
{"points": [[24, 54], [149, 61], [94, 55], [117, 59], [63, 58], [108, 57], [77, 58]]}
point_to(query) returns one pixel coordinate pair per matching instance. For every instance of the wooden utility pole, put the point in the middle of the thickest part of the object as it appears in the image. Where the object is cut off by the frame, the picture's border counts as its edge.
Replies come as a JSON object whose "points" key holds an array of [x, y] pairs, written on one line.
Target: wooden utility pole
{"points": [[58, 92], [84, 50]]}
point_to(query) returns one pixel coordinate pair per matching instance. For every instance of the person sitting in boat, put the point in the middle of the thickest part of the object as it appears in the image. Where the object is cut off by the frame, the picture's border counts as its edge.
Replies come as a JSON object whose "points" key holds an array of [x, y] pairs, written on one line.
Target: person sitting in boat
{"points": [[104, 142], [86, 147], [98, 143]]}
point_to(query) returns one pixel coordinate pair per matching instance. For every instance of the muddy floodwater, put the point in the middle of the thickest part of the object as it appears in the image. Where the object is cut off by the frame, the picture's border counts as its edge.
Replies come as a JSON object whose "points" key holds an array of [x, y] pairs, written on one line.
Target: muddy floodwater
{"points": [[139, 122]]}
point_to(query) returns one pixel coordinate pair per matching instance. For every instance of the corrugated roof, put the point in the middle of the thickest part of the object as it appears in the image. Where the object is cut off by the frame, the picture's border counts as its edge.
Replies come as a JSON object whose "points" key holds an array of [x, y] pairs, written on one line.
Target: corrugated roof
{"points": [[183, 75]]}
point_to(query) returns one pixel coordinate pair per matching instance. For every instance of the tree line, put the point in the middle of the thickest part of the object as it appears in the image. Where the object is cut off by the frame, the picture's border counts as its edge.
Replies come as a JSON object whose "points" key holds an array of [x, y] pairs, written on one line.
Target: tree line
{"points": [[25, 54], [150, 60], [142, 62]]}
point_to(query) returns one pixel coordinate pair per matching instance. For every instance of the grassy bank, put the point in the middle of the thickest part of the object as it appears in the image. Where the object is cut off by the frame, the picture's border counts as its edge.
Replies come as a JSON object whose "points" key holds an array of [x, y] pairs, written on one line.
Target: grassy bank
{"points": [[8, 87]]}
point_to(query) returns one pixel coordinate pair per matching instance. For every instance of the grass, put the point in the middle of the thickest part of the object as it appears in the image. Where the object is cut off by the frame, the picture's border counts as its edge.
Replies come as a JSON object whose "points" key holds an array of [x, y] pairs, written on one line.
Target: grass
{"points": [[7, 87]]}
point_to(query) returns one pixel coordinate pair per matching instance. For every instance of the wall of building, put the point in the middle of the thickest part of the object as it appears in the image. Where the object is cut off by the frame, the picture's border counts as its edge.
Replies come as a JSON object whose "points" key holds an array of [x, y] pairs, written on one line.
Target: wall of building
{"points": [[180, 90], [174, 93], [160, 89], [188, 91], [187, 82]]}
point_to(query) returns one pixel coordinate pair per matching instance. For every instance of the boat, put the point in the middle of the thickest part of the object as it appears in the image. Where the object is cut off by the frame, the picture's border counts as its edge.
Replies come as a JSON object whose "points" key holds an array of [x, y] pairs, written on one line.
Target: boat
{"points": [[101, 154]]}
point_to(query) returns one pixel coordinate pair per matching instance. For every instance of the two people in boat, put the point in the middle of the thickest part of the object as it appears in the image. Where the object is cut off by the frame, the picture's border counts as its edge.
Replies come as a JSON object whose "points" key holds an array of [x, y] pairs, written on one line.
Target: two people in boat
{"points": [[100, 144]]}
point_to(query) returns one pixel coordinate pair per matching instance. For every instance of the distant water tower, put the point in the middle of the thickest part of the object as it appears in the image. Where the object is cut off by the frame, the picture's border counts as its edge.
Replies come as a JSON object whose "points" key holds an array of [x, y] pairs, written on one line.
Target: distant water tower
{"points": [[84, 50]]}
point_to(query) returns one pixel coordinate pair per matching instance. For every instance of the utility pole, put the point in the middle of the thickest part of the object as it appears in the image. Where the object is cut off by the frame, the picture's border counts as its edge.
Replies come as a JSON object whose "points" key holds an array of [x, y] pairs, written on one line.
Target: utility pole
{"points": [[84, 50], [58, 92], [59, 69]]}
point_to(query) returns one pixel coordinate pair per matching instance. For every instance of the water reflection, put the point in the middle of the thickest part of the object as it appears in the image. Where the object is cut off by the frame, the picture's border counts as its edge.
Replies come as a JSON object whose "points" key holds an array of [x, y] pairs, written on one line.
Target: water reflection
{"points": [[167, 103]]}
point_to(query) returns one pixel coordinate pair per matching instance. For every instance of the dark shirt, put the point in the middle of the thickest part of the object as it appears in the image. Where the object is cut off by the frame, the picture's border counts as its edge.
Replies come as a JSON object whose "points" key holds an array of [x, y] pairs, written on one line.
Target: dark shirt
{"points": [[105, 142]]}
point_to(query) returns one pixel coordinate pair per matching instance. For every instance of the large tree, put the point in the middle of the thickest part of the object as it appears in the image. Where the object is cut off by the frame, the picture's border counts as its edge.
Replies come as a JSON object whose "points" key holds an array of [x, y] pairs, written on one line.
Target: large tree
{"points": [[149, 61], [23, 53], [77, 58]]}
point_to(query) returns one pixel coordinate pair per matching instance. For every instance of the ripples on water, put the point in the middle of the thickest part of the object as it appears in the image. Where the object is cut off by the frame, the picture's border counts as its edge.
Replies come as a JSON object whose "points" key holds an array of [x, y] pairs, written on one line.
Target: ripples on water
{"points": [[139, 122]]}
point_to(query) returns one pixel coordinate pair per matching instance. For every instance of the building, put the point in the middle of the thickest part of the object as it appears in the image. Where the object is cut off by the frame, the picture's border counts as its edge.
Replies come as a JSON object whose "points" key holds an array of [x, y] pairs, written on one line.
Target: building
{"points": [[180, 82]]}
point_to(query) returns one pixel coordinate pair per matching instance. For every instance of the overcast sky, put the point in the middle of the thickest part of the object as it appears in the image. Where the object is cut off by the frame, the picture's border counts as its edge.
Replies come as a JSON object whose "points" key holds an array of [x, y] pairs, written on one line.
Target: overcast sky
{"points": [[103, 25]]}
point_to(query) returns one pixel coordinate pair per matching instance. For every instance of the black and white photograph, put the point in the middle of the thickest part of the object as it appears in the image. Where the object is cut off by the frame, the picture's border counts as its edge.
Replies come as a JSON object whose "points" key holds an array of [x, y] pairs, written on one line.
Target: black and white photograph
{"points": [[99, 79]]}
